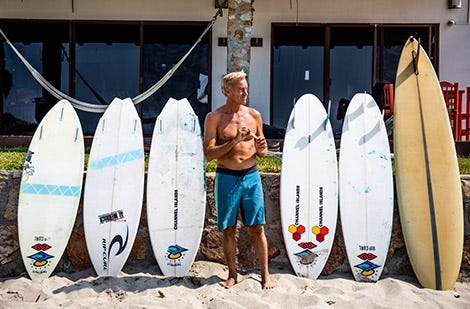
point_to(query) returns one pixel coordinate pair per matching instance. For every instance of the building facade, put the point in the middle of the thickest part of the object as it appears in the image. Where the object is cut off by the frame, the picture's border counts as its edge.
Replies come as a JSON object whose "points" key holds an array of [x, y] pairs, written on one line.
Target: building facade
{"points": [[97, 50]]}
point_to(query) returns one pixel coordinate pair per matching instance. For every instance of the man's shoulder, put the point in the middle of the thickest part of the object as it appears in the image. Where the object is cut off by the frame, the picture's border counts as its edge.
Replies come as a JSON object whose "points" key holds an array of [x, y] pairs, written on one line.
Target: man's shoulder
{"points": [[253, 112], [214, 115]]}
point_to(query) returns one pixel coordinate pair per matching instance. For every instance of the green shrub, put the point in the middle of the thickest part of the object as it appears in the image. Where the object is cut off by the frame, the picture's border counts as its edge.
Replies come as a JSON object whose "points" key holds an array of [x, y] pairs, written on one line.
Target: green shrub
{"points": [[268, 164], [13, 159], [464, 165]]}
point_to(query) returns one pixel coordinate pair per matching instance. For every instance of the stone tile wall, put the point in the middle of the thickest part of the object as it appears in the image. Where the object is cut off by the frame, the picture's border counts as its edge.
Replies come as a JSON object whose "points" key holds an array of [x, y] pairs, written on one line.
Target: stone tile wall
{"points": [[239, 26], [76, 255]]}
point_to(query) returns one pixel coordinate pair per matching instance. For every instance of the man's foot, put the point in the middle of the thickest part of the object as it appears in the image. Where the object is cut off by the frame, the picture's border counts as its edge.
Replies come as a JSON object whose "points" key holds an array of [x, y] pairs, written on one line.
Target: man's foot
{"points": [[267, 284], [228, 283]]}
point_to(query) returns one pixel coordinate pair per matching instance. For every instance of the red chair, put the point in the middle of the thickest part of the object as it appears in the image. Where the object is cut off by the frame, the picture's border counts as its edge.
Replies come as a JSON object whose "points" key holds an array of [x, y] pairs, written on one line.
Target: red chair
{"points": [[465, 115], [451, 98], [388, 100]]}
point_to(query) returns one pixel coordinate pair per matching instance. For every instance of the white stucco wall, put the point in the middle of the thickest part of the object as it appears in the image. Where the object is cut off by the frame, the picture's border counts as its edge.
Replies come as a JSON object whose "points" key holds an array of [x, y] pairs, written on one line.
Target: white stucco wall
{"points": [[454, 40], [455, 54]]}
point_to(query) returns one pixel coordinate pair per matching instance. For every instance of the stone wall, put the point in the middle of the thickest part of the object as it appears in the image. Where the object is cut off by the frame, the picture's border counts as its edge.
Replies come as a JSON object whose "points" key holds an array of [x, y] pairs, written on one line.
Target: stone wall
{"points": [[239, 26], [76, 256]]}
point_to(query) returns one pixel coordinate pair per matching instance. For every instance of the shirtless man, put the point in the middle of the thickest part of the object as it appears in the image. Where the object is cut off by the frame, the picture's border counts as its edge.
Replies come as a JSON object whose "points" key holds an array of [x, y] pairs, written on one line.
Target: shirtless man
{"points": [[233, 135]]}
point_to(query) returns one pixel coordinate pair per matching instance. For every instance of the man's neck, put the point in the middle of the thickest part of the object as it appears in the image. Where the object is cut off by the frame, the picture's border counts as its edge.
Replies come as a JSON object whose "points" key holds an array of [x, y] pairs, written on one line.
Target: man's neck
{"points": [[234, 107]]}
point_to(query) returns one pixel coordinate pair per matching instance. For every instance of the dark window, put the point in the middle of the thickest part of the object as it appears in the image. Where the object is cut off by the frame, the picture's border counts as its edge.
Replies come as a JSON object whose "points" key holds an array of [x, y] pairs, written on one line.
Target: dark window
{"points": [[336, 61], [164, 46], [390, 44], [350, 67], [95, 62], [298, 64], [24, 101], [107, 66]]}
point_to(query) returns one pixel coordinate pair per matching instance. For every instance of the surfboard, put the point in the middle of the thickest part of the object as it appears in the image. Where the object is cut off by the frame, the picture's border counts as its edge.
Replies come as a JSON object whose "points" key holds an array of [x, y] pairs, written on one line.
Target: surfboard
{"points": [[114, 187], [176, 192], [51, 185], [366, 188], [309, 187], [427, 175]]}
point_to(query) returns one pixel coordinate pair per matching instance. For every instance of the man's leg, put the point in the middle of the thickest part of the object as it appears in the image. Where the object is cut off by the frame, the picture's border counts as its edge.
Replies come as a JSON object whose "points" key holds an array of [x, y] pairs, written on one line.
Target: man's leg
{"points": [[260, 245], [230, 249]]}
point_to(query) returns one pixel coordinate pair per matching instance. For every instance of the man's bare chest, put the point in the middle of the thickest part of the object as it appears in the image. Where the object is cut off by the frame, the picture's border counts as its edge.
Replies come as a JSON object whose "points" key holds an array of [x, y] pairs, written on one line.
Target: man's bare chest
{"points": [[229, 126]]}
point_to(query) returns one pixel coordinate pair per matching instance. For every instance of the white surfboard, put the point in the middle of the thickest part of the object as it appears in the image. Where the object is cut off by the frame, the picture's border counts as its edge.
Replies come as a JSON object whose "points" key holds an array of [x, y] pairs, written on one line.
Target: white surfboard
{"points": [[176, 193], [366, 188], [114, 187], [50, 190], [309, 187]]}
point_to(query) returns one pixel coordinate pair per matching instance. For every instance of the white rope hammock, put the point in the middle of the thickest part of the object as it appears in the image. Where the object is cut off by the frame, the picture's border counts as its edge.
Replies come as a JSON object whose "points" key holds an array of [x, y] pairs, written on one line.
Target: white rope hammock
{"points": [[94, 108]]}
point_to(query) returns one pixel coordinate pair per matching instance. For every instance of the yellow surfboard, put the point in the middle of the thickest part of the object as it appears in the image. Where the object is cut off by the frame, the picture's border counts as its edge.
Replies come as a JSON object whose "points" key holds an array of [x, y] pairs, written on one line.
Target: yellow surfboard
{"points": [[427, 174]]}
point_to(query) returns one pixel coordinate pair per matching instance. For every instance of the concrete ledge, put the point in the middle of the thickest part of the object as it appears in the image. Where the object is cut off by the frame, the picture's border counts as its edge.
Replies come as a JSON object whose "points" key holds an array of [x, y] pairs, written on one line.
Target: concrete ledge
{"points": [[76, 256]]}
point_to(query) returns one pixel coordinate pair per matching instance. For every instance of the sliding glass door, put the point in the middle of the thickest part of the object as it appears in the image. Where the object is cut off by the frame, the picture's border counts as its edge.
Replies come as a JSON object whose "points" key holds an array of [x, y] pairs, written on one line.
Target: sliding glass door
{"points": [[350, 68], [107, 66], [336, 61], [297, 69], [164, 46]]}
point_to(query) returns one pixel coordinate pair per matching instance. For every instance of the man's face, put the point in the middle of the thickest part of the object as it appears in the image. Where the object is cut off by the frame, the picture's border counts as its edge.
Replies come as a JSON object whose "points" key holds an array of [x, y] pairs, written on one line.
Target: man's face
{"points": [[239, 91]]}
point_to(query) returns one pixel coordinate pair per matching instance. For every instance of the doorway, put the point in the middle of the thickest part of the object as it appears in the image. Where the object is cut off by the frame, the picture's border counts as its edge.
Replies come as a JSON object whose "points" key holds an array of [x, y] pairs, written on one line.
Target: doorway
{"points": [[336, 61]]}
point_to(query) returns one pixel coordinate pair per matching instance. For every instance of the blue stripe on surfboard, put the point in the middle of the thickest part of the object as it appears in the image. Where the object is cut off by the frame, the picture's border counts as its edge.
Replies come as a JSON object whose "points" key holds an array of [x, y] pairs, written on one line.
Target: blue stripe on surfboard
{"points": [[117, 159], [435, 237], [47, 189]]}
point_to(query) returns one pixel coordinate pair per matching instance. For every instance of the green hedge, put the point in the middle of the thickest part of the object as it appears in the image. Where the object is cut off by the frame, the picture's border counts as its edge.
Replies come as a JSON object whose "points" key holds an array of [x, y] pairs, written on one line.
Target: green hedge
{"points": [[13, 159]]}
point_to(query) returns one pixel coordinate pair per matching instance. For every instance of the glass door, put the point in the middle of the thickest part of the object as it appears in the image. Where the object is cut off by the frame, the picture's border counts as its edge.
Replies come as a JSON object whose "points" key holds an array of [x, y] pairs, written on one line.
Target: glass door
{"points": [[351, 57], [163, 47], [107, 66], [298, 62], [390, 44], [336, 61]]}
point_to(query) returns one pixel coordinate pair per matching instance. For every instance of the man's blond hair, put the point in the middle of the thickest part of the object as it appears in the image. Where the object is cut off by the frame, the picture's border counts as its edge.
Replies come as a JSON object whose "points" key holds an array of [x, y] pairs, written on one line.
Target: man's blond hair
{"points": [[228, 79]]}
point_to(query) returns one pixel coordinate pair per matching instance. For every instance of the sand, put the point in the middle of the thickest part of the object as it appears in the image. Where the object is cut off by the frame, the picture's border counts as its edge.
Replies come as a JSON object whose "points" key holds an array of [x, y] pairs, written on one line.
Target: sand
{"points": [[143, 286]]}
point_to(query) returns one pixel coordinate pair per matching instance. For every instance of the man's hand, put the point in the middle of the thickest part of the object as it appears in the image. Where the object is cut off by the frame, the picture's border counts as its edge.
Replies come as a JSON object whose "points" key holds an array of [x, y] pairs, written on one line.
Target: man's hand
{"points": [[261, 145], [243, 134]]}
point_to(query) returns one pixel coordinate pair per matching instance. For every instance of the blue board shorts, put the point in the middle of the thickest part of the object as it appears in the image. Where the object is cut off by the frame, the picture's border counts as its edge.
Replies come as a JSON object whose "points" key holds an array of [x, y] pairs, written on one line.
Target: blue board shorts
{"points": [[234, 189]]}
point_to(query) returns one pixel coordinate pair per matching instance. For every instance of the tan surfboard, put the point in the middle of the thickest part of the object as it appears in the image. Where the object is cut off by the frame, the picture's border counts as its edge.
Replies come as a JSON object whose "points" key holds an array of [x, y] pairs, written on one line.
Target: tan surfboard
{"points": [[427, 175]]}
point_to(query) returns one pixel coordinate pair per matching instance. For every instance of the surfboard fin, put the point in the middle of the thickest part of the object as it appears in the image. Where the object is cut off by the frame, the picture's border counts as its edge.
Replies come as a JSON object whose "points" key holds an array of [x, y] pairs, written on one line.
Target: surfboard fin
{"points": [[415, 57], [293, 118], [327, 115]]}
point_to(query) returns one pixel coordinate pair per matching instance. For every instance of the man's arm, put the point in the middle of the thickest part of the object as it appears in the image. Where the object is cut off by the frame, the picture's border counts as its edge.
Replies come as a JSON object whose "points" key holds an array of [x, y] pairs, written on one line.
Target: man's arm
{"points": [[261, 145], [211, 149]]}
